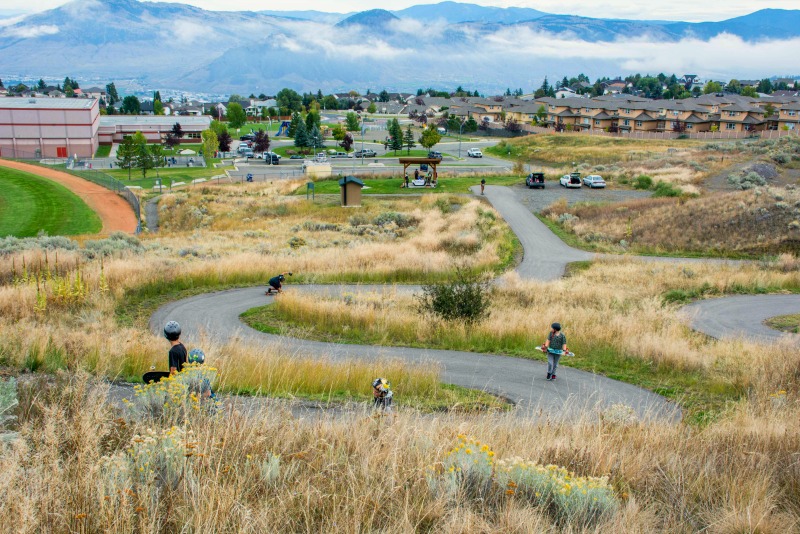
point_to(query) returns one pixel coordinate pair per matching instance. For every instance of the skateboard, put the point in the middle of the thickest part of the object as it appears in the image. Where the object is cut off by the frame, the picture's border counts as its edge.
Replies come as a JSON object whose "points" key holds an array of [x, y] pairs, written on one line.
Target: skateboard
{"points": [[154, 376], [568, 353]]}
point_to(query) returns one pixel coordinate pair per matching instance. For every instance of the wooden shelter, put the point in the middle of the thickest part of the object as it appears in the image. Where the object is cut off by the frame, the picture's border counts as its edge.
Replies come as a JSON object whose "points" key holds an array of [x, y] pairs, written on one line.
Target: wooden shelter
{"points": [[351, 191], [432, 162]]}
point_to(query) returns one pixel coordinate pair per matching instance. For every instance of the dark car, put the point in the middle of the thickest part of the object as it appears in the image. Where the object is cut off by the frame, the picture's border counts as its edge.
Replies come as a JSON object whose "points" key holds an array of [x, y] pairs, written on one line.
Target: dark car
{"points": [[271, 158], [435, 154], [296, 156], [534, 180], [366, 153]]}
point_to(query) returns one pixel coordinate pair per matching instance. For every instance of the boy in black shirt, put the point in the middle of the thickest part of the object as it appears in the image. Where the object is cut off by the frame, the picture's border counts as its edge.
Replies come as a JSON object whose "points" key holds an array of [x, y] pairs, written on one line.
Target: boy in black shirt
{"points": [[276, 283], [177, 352]]}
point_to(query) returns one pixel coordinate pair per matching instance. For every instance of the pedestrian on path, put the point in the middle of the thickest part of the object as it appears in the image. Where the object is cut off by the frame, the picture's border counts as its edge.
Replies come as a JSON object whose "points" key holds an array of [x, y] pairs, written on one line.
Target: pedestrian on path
{"points": [[555, 346], [483, 185]]}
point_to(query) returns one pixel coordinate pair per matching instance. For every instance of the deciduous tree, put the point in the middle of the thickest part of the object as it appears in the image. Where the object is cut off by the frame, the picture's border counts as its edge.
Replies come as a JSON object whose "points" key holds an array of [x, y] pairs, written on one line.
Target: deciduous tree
{"points": [[224, 139], [261, 141], [126, 152], [347, 142], [236, 115], [210, 143], [352, 122], [430, 136], [131, 105]]}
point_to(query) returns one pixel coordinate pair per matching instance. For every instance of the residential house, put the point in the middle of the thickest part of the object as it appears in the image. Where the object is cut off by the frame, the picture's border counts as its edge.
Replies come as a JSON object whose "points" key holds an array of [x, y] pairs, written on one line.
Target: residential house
{"points": [[565, 92], [789, 117], [95, 92]]}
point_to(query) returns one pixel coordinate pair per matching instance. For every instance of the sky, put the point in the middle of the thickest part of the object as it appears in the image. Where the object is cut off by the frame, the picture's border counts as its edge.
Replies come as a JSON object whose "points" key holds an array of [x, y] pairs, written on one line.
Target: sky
{"points": [[687, 10]]}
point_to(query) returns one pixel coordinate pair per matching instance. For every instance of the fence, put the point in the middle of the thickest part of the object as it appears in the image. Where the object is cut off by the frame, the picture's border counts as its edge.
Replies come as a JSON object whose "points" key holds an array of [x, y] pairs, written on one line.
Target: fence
{"points": [[764, 134]]}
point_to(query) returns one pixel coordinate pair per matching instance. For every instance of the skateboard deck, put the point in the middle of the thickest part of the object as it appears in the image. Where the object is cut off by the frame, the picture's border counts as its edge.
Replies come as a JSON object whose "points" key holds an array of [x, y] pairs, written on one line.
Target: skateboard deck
{"points": [[565, 354], [154, 376]]}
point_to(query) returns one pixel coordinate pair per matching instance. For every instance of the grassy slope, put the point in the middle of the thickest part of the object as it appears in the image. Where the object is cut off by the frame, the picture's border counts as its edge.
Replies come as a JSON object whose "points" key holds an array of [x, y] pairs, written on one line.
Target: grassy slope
{"points": [[29, 204]]}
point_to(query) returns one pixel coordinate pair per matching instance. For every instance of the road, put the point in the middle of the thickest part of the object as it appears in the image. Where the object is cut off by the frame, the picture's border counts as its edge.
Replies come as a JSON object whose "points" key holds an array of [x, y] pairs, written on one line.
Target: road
{"points": [[520, 380]]}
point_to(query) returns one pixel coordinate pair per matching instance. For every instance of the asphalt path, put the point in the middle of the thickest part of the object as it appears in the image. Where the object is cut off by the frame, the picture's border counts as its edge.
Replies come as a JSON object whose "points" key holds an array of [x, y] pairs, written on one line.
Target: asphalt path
{"points": [[743, 316], [216, 315]]}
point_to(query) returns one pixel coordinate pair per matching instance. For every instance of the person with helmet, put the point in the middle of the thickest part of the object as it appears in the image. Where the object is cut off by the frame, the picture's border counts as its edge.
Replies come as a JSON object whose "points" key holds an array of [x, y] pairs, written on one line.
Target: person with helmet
{"points": [[177, 352], [199, 357], [555, 346], [276, 283], [382, 395]]}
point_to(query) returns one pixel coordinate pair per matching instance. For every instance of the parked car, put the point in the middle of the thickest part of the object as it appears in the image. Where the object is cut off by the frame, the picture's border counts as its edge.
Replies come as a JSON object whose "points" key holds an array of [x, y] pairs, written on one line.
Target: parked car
{"points": [[296, 156], [267, 155], [474, 153], [366, 153], [340, 155], [271, 158], [248, 153], [321, 157], [594, 181], [572, 180], [535, 180], [435, 154]]}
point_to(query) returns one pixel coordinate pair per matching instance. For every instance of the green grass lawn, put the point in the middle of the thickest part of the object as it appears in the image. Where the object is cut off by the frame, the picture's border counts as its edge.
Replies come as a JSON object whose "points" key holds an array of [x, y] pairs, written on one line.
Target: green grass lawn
{"points": [[391, 186], [30, 204], [785, 323], [102, 151], [286, 151], [167, 175]]}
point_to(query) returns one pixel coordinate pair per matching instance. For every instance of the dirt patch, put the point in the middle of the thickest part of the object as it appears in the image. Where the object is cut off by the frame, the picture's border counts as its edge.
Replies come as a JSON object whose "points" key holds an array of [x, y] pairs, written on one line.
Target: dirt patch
{"points": [[114, 212]]}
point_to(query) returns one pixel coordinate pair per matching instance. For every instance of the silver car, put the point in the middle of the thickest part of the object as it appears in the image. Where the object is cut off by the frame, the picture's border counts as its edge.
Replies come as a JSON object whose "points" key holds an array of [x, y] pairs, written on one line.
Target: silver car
{"points": [[594, 181]]}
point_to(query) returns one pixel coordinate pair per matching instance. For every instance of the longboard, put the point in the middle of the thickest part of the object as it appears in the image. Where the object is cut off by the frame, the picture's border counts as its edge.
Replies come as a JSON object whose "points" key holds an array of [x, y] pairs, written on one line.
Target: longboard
{"points": [[154, 376], [566, 353]]}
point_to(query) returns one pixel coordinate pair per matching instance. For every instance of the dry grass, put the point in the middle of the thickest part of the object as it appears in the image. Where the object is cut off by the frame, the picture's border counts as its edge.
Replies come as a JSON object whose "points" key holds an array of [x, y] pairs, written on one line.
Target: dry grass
{"points": [[755, 222], [356, 474]]}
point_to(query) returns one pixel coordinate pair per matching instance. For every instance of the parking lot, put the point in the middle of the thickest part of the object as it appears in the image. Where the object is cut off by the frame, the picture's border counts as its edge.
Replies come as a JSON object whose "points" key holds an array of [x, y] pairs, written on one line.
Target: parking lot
{"points": [[538, 199]]}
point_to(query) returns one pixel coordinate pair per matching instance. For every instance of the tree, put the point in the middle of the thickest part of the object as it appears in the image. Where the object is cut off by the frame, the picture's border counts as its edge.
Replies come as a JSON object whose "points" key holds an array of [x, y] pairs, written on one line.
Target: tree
{"points": [[224, 139], [453, 124], [177, 131], [131, 105], [236, 115], [329, 102], [372, 108], [430, 136], [315, 138], [1, 85], [296, 120], [712, 87], [408, 139], [383, 96], [541, 115], [769, 110], [734, 86], [157, 153], [261, 141], [126, 153], [111, 110], [765, 86], [301, 136], [352, 122], [170, 140], [218, 127], [41, 85], [512, 125], [338, 132], [289, 99], [312, 119], [471, 125], [395, 136], [158, 107], [111, 93], [466, 299], [143, 159], [749, 91], [347, 142], [210, 143]]}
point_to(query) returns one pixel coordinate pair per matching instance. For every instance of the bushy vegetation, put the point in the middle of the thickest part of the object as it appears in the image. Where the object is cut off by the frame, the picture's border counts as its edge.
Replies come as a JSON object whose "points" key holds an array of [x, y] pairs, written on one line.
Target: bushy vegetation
{"points": [[466, 299]]}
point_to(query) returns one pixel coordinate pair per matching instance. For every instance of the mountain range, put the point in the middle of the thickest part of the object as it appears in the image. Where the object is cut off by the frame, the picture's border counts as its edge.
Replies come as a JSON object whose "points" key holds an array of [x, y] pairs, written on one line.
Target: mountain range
{"points": [[177, 46]]}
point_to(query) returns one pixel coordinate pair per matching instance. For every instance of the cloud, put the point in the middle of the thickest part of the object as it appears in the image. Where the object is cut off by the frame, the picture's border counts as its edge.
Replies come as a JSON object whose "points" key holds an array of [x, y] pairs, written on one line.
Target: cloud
{"points": [[187, 31], [29, 32], [11, 21], [355, 43]]}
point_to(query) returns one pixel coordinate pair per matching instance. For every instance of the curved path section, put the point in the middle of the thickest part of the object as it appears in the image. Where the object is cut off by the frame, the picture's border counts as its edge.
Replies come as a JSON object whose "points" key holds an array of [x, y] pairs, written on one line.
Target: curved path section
{"points": [[743, 316], [114, 212], [521, 381]]}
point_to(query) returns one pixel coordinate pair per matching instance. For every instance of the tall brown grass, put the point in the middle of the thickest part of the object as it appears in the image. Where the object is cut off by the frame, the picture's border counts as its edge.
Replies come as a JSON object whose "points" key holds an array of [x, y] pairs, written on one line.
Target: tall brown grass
{"points": [[353, 473]]}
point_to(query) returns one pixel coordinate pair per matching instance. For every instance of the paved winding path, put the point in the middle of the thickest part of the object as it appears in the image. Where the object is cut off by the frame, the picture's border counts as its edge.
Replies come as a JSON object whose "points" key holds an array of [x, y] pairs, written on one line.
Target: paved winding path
{"points": [[520, 380], [743, 316]]}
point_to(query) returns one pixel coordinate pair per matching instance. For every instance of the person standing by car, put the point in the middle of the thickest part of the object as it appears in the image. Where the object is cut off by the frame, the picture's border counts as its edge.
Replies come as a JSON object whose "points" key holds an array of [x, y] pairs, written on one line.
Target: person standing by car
{"points": [[555, 346]]}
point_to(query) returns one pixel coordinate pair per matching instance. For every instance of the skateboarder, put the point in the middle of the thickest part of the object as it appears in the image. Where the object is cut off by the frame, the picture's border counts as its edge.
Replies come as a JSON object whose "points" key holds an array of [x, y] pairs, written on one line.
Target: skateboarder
{"points": [[276, 283], [483, 185], [555, 346], [382, 395], [177, 352]]}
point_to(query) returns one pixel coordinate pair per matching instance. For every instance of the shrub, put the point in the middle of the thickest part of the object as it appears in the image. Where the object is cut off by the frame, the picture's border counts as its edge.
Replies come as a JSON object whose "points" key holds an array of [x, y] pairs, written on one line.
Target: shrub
{"points": [[780, 158], [464, 299], [663, 189], [400, 219], [297, 242], [465, 472], [358, 220], [10, 244], [8, 401], [642, 182], [313, 226], [746, 181]]}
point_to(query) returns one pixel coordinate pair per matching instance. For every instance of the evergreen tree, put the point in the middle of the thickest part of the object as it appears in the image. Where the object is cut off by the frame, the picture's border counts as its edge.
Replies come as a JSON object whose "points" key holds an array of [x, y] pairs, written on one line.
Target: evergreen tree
{"points": [[408, 139], [296, 120], [315, 138], [471, 125], [396, 133], [111, 94], [301, 135], [41, 85], [312, 119], [177, 131]]}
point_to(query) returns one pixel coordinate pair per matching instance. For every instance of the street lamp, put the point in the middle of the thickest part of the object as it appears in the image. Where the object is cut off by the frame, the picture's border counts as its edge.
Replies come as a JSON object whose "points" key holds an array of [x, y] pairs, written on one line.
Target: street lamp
{"points": [[460, 131]]}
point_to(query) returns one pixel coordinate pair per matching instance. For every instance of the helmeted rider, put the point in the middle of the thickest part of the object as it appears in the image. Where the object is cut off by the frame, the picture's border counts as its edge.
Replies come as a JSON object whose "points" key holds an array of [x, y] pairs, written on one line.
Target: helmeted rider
{"points": [[276, 283], [197, 356], [555, 346], [177, 352], [382, 395]]}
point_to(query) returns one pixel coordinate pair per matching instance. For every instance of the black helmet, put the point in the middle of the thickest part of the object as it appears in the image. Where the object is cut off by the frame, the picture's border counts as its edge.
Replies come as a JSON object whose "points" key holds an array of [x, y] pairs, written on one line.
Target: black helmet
{"points": [[197, 356], [380, 383], [172, 330], [556, 326]]}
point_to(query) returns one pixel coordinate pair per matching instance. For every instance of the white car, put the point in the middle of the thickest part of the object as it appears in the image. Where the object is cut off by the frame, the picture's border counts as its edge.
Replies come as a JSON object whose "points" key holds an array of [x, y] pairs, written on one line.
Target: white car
{"points": [[572, 181], [475, 153]]}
